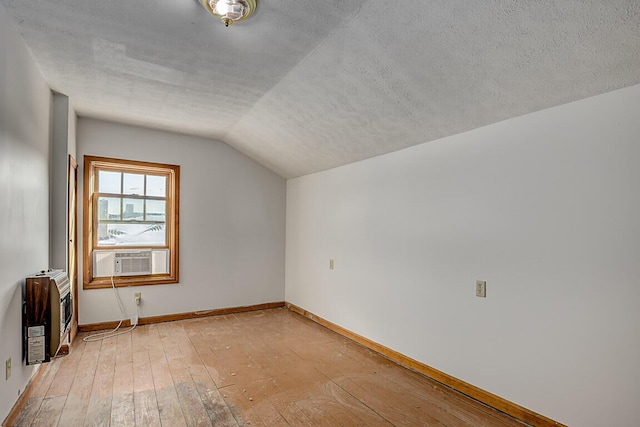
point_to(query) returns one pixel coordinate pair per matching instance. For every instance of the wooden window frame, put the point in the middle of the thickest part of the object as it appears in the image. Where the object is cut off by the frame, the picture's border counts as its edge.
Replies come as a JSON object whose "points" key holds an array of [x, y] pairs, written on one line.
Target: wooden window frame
{"points": [[91, 165]]}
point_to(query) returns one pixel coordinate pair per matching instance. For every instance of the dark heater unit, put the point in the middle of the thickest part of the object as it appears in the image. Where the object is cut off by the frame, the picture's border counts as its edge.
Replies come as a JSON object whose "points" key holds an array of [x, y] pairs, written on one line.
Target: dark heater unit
{"points": [[48, 309]]}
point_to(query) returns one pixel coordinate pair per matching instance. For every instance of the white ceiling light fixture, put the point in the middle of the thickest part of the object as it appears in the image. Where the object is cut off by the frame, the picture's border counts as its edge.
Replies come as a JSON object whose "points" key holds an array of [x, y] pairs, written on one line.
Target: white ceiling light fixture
{"points": [[230, 11]]}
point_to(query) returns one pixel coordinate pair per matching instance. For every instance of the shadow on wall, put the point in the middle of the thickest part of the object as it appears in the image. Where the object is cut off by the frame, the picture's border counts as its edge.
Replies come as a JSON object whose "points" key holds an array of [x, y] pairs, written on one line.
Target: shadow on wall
{"points": [[11, 335], [11, 298]]}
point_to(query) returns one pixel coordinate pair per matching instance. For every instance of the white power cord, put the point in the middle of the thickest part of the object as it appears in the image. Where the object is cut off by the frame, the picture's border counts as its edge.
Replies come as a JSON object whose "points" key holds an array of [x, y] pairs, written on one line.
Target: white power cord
{"points": [[114, 333]]}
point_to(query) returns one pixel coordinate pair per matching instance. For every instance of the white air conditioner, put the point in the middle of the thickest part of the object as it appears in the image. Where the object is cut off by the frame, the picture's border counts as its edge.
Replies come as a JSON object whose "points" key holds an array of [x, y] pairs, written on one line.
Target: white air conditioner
{"points": [[104, 261], [132, 262]]}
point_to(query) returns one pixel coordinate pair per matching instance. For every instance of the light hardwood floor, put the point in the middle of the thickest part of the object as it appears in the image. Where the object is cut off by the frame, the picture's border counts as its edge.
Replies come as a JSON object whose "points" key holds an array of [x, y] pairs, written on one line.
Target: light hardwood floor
{"points": [[262, 368]]}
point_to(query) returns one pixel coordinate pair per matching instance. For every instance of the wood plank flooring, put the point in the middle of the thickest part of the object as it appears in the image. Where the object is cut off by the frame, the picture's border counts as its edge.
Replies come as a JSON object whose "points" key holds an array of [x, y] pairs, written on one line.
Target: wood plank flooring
{"points": [[262, 368]]}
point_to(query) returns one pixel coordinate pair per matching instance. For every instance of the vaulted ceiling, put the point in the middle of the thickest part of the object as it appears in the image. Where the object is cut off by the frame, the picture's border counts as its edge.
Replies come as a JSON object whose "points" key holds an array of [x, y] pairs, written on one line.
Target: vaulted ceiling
{"points": [[307, 85]]}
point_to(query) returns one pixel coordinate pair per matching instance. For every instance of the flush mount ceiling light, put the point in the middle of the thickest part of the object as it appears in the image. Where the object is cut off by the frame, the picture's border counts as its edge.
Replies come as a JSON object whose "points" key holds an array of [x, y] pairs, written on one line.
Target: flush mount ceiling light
{"points": [[230, 11]]}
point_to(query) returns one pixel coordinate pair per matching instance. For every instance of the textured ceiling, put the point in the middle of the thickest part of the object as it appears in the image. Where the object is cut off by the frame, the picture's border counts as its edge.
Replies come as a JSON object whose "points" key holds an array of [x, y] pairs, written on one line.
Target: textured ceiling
{"points": [[307, 85]]}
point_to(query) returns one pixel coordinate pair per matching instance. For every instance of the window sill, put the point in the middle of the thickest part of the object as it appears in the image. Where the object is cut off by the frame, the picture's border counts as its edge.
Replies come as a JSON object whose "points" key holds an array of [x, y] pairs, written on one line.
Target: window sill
{"points": [[127, 281]]}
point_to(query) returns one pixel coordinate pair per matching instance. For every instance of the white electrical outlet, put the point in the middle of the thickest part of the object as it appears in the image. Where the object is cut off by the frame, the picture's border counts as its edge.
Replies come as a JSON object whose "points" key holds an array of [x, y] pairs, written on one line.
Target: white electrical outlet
{"points": [[8, 369], [481, 288], [137, 297]]}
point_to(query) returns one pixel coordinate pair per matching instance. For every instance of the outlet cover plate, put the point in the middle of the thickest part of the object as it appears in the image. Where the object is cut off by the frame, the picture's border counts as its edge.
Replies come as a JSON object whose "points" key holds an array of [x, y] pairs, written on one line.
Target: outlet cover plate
{"points": [[481, 288], [8, 369]]}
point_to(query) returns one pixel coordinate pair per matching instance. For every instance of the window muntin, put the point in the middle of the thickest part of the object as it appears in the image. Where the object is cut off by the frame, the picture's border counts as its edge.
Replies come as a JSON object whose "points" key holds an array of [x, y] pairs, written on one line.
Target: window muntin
{"points": [[130, 205]]}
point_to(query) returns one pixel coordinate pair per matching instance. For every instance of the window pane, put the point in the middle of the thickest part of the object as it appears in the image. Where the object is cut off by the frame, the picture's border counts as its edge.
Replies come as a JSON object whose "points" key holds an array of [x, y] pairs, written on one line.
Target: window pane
{"points": [[156, 210], [108, 208], [131, 235], [133, 184], [156, 185], [109, 182], [132, 210]]}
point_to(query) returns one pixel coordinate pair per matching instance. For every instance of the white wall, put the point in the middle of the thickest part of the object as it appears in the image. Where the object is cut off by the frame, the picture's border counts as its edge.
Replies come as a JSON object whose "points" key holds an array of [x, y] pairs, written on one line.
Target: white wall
{"points": [[544, 207], [25, 101], [63, 144], [232, 223]]}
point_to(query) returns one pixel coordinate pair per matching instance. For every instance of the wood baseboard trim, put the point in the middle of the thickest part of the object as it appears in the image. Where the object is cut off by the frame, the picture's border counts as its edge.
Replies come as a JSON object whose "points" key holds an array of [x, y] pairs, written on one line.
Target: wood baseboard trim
{"points": [[180, 316], [23, 399], [523, 414]]}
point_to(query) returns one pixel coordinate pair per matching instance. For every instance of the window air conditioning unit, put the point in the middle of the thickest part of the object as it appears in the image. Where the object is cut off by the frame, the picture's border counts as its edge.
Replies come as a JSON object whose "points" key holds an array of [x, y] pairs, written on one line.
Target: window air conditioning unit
{"points": [[132, 263]]}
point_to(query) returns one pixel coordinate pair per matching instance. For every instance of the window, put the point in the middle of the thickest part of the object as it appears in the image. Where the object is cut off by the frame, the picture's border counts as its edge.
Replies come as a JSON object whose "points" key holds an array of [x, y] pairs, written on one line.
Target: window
{"points": [[130, 222]]}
